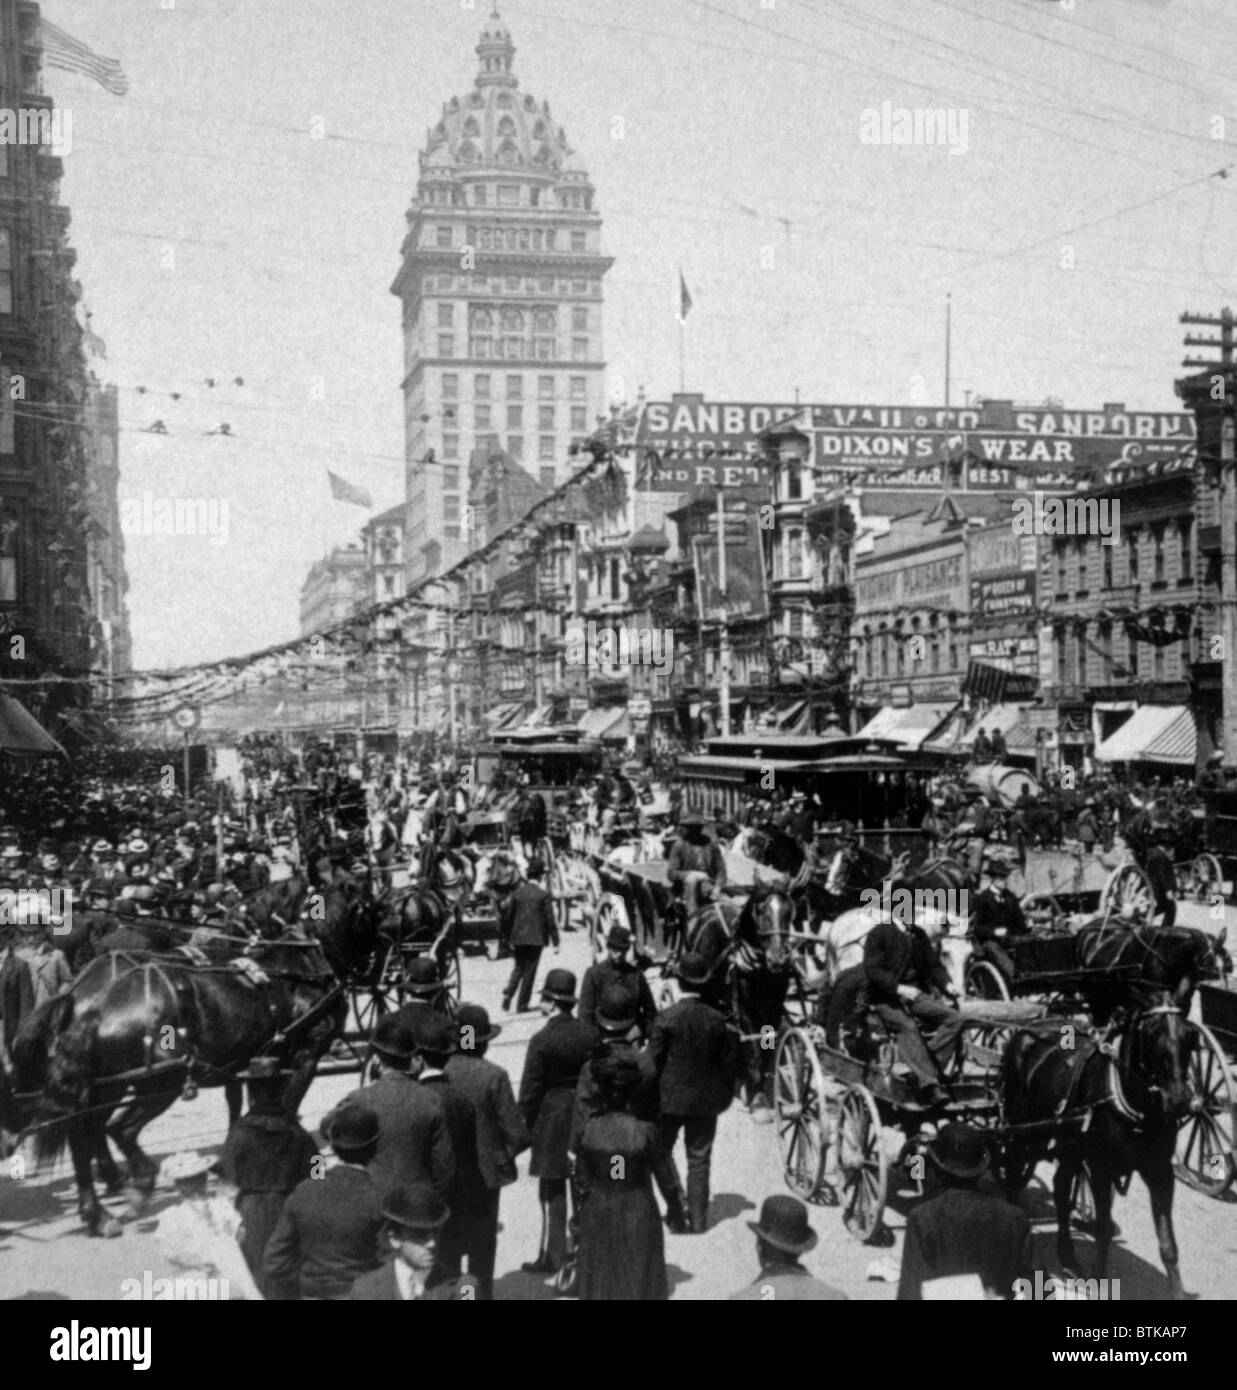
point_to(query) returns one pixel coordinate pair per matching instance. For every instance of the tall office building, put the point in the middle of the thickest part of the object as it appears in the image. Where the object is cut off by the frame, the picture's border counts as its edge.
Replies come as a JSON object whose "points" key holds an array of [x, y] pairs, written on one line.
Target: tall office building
{"points": [[501, 285]]}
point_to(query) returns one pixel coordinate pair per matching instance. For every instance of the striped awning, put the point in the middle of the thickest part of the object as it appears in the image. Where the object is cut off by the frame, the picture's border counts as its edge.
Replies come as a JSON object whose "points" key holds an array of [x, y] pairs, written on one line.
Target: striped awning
{"points": [[605, 722], [910, 726], [1153, 734], [1002, 717]]}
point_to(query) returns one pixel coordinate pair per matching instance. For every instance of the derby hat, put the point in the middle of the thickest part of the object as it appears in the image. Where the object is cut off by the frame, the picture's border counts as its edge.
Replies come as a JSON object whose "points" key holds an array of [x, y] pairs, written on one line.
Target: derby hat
{"points": [[393, 1038], [998, 868], [560, 985], [183, 1166], [616, 1011], [959, 1149], [416, 1206], [431, 1032], [355, 1126], [473, 1016], [263, 1069], [784, 1225], [693, 969], [421, 976], [618, 937]]}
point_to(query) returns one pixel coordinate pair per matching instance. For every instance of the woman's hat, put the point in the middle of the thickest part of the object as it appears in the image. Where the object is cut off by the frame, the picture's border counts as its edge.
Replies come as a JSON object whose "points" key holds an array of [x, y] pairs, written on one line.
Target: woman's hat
{"points": [[183, 1166], [784, 1225], [960, 1150]]}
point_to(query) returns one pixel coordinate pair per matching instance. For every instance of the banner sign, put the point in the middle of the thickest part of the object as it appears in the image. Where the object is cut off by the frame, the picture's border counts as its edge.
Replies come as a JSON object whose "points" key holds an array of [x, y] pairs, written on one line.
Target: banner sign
{"points": [[996, 595], [745, 573]]}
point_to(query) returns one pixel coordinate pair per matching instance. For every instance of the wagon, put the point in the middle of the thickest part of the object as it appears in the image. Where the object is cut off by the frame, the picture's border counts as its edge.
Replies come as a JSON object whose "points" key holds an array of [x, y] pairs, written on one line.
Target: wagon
{"points": [[1204, 1157], [848, 1120]]}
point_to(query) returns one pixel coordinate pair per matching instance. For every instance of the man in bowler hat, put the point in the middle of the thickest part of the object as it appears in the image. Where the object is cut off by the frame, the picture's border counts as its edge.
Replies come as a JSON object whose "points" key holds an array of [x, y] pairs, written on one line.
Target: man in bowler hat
{"points": [[552, 1066], [502, 1134], [782, 1235], [963, 1230], [413, 1219], [528, 926], [617, 971]]}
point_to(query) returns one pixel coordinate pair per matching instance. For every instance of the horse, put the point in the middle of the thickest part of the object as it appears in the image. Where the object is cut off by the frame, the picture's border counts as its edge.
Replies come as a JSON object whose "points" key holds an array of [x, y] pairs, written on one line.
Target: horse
{"points": [[1114, 1106], [762, 967], [1120, 955], [160, 1026]]}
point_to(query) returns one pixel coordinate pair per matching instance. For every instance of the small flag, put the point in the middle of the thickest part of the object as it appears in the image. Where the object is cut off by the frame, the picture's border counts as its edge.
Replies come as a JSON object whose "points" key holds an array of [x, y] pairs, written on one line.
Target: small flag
{"points": [[61, 50], [343, 491], [685, 299]]}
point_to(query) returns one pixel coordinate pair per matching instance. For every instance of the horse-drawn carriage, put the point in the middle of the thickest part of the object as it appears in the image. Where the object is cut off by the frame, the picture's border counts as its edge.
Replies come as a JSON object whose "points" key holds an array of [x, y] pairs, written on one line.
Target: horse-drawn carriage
{"points": [[1205, 1146]]}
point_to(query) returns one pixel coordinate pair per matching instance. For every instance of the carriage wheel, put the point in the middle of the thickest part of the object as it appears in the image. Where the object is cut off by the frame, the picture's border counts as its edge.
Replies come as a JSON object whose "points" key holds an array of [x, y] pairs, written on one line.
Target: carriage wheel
{"points": [[862, 1163], [1128, 894], [1204, 1157], [449, 973], [798, 1101], [984, 981], [1205, 878]]}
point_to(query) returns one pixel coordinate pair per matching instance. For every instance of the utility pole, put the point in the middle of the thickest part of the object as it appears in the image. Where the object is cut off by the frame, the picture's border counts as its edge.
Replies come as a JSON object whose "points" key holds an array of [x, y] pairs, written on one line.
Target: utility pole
{"points": [[723, 640], [948, 345], [1211, 397], [450, 671]]}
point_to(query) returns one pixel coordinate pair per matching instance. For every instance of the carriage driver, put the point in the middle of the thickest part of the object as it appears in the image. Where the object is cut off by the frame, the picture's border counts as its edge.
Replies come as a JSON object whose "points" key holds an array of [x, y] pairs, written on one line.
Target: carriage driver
{"points": [[695, 860], [906, 980], [998, 914]]}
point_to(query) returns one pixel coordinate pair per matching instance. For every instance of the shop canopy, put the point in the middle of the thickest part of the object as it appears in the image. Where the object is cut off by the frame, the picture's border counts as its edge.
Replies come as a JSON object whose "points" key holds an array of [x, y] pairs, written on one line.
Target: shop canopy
{"points": [[21, 732], [909, 726], [606, 722], [1153, 734]]}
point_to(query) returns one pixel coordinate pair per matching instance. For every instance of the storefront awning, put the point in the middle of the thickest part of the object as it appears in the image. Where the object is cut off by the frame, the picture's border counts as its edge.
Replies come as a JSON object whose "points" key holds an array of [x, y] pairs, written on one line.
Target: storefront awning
{"points": [[21, 732], [502, 715], [1002, 718], [1153, 734], [605, 722], [909, 727]]}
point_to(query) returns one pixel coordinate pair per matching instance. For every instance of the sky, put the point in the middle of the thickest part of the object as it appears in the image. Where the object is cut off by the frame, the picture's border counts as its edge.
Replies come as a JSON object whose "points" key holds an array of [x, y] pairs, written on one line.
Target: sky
{"points": [[1077, 211]]}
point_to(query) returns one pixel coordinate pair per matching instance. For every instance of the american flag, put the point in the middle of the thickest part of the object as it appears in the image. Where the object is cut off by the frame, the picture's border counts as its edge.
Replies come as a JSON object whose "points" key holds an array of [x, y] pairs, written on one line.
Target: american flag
{"points": [[61, 50], [344, 491]]}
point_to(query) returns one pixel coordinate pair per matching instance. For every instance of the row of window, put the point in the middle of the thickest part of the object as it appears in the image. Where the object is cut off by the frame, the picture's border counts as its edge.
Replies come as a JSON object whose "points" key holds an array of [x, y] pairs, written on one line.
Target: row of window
{"points": [[482, 320], [547, 449], [514, 349], [482, 384], [510, 238], [508, 284], [483, 417], [883, 655], [1073, 557], [1117, 657]]}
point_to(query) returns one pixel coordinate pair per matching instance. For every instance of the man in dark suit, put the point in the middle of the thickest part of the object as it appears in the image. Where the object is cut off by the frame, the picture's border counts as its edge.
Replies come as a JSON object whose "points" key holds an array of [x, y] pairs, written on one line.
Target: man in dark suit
{"points": [[414, 1139], [413, 1220], [327, 1233], [502, 1134], [782, 1235], [998, 915], [963, 1230], [528, 926], [616, 971], [904, 977], [16, 994], [697, 1057], [434, 1041], [552, 1066]]}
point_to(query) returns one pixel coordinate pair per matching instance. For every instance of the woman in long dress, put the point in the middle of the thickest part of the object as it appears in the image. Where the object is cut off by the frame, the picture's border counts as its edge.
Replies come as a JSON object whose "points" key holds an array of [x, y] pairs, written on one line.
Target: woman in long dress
{"points": [[621, 1246]]}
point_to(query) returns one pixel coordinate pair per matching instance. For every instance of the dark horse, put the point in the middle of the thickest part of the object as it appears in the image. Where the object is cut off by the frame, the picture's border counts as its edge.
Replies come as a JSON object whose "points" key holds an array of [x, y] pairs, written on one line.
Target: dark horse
{"points": [[1121, 956], [750, 967], [1114, 1106], [136, 1031]]}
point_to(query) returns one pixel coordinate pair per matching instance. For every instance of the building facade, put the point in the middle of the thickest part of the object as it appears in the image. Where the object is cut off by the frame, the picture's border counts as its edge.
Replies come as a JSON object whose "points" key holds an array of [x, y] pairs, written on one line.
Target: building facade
{"points": [[501, 287], [336, 587]]}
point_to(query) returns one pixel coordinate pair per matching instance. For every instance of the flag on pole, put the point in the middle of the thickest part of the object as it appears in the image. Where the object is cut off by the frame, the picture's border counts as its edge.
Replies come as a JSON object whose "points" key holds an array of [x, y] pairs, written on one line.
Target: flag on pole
{"points": [[61, 50], [343, 491], [685, 299]]}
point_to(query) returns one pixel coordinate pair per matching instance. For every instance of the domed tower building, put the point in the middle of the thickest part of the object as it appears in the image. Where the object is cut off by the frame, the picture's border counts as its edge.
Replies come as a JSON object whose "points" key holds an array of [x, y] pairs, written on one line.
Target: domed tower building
{"points": [[501, 285]]}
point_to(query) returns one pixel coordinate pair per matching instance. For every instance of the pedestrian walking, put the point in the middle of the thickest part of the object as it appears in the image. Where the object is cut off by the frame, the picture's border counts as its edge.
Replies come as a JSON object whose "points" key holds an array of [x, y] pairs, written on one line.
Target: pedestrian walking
{"points": [[962, 1230], [502, 1134], [552, 1066], [621, 1248], [783, 1234], [697, 1057], [617, 971], [413, 1219], [327, 1234], [528, 926], [264, 1157]]}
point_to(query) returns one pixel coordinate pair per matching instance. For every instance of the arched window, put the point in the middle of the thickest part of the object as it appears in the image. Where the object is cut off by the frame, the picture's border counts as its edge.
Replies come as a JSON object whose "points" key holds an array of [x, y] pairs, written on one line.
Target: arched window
{"points": [[481, 321], [508, 153], [543, 321], [513, 321], [472, 126], [504, 100], [506, 126], [468, 152]]}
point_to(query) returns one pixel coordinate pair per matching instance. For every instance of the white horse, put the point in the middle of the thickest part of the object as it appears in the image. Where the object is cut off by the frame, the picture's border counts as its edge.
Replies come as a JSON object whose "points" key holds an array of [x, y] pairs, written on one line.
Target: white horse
{"points": [[839, 944]]}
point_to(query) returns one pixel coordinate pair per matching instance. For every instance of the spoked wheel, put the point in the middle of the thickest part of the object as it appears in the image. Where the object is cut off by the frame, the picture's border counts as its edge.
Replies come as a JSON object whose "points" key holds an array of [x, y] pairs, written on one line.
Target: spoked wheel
{"points": [[862, 1163], [984, 981], [1128, 894], [1204, 1156], [799, 1104], [450, 974], [1204, 880]]}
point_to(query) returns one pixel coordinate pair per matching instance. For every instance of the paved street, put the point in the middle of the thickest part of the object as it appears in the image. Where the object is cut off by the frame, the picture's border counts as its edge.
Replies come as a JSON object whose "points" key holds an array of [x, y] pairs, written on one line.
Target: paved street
{"points": [[42, 1246]]}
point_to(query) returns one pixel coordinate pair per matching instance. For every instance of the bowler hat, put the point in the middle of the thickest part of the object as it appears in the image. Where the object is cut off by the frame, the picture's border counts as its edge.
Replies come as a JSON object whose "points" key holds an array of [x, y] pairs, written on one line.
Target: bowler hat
{"points": [[784, 1225], [560, 985], [355, 1126], [421, 976], [998, 868], [262, 1069], [476, 1018], [693, 969], [431, 1032], [416, 1206], [959, 1150], [393, 1038], [615, 1010], [619, 937]]}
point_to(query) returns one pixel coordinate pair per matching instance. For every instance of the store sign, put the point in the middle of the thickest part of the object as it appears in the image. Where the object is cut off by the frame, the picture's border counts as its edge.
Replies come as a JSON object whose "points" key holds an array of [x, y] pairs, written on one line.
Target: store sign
{"points": [[999, 594]]}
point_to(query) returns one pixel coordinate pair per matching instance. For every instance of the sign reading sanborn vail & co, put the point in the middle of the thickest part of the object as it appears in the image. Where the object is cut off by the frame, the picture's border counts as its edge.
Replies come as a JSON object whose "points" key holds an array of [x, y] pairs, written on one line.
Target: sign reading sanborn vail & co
{"points": [[688, 442]]}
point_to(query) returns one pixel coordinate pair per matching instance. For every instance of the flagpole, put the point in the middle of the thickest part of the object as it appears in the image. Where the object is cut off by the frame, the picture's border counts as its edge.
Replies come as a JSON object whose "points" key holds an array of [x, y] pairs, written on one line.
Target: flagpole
{"points": [[682, 358]]}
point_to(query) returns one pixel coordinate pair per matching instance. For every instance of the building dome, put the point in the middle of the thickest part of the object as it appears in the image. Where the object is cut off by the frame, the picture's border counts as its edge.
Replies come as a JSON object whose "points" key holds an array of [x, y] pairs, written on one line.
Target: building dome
{"points": [[496, 126]]}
